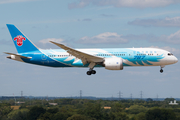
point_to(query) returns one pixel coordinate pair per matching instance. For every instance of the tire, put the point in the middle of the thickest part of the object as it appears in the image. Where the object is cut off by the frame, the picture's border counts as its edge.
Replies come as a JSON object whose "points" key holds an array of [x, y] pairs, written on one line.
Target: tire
{"points": [[88, 72], [93, 72]]}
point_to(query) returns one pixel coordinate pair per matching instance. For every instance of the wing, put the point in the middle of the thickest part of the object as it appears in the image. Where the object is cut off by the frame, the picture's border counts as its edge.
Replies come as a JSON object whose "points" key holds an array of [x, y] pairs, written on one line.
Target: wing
{"points": [[18, 55], [85, 58]]}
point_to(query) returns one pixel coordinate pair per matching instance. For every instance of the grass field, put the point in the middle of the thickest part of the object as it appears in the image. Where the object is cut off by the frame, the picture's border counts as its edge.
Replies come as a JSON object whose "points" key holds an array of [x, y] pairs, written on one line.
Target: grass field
{"points": [[15, 107]]}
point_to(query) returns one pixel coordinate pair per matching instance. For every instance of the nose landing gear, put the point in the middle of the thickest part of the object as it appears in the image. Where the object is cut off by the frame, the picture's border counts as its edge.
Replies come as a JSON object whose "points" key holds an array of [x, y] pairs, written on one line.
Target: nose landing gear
{"points": [[161, 70], [162, 66]]}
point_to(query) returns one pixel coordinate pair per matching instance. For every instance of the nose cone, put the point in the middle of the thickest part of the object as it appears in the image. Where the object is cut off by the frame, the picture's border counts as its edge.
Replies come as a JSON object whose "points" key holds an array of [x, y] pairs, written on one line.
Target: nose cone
{"points": [[175, 60]]}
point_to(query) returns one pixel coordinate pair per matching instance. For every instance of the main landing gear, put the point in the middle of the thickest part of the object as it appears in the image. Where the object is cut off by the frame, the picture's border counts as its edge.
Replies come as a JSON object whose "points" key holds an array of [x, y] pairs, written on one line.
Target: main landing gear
{"points": [[162, 66], [91, 72]]}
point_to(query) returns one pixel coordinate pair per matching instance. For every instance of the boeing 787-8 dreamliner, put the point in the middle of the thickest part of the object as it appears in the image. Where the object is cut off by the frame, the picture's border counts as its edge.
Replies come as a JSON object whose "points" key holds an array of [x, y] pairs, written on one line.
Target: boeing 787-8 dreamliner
{"points": [[110, 58]]}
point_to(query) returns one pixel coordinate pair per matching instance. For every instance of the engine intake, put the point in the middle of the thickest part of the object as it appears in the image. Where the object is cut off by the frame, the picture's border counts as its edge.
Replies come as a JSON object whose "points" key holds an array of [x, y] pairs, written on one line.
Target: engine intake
{"points": [[113, 63]]}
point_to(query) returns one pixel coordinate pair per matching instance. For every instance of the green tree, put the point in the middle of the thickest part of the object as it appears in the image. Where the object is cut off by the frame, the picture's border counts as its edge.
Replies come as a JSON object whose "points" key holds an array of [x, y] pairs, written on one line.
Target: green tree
{"points": [[135, 109], [53, 110], [20, 114], [117, 107], [160, 114], [49, 114], [92, 110], [169, 99], [5, 109], [78, 117], [35, 112], [61, 116], [141, 116], [46, 116], [118, 116], [117, 112]]}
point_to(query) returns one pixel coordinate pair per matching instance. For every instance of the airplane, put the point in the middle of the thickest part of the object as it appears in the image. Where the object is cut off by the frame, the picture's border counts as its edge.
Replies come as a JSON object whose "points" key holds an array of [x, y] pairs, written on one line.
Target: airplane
{"points": [[110, 58]]}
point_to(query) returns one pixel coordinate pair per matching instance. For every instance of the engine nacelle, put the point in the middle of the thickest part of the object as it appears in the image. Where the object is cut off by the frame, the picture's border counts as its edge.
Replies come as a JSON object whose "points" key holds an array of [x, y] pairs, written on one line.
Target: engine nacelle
{"points": [[113, 63]]}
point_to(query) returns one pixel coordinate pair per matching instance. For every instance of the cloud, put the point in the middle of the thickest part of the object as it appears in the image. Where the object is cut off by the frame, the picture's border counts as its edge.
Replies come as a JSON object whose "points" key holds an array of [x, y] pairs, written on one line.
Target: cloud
{"points": [[123, 3], [114, 38], [45, 44], [140, 37], [173, 50], [81, 4], [170, 49], [167, 22], [103, 38], [13, 1], [46, 41], [173, 38]]}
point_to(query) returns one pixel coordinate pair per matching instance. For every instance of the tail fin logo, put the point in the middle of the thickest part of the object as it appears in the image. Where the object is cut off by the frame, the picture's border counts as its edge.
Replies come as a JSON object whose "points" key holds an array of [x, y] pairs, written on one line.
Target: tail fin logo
{"points": [[19, 39]]}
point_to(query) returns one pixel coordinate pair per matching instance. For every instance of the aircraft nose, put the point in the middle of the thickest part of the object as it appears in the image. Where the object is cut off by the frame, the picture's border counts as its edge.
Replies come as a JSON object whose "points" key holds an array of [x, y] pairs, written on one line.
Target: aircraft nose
{"points": [[175, 60]]}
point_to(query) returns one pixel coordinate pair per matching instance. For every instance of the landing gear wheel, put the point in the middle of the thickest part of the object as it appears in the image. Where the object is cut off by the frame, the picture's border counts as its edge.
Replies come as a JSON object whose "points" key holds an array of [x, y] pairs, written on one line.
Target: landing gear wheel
{"points": [[161, 70], [89, 73], [93, 72]]}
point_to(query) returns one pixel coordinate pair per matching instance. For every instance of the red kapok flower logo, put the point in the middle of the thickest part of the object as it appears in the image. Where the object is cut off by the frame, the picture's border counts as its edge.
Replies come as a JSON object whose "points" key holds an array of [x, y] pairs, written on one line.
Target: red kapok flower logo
{"points": [[19, 39]]}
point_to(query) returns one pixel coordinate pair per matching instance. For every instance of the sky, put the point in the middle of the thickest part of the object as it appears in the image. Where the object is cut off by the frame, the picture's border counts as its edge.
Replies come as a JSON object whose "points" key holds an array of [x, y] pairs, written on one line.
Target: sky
{"points": [[91, 24]]}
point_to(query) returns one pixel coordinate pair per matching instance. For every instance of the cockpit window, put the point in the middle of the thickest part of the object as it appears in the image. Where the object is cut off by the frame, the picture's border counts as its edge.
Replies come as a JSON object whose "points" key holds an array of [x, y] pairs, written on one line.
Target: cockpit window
{"points": [[170, 54]]}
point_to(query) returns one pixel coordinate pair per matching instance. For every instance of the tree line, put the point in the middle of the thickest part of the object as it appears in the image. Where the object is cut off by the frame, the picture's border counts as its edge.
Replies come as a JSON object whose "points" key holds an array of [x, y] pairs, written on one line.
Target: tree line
{"points": [[84, 109]]}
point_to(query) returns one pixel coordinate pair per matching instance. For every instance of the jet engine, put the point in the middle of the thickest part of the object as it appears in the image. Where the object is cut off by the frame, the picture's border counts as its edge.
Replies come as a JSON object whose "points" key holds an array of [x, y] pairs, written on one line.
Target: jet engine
{"points": [[113, 63]]}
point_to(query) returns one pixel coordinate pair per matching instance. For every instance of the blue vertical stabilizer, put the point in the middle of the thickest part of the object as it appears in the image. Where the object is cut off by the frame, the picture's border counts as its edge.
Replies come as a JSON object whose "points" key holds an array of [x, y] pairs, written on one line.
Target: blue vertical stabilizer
{"points": [[22, 43]]}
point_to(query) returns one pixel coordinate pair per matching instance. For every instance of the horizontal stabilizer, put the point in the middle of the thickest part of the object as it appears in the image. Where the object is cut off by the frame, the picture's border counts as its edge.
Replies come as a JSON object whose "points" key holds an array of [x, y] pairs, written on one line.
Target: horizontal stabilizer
{"points": [[18, 55]]}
